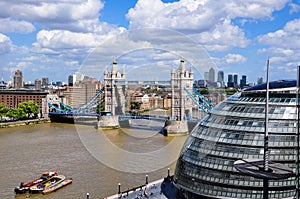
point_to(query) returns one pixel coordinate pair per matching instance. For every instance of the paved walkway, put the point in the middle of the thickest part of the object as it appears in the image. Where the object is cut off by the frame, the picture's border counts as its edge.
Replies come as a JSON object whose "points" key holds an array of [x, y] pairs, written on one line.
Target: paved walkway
{"points": [[149, 191]]}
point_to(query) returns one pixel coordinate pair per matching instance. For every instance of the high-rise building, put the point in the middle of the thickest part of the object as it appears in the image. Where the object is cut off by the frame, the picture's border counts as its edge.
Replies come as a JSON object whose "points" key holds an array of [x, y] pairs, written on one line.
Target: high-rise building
{"points": [[211, 75], [71, 80], [235, 79], [81, 92], [243, 81], [230, 81], [206, 76], [45, 82], [18, 80], [230, 78], [37, 84], [220, 76], [235, 130]]}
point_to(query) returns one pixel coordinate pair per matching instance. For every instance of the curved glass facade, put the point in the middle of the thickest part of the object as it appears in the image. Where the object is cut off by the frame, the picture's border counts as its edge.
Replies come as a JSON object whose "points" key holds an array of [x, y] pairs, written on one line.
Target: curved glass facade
{"points": [[235, 130]]}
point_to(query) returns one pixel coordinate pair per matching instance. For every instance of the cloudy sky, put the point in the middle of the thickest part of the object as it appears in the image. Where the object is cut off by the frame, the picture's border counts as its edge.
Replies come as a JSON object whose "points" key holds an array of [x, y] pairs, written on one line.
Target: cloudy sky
{"points": [[54, 38]]}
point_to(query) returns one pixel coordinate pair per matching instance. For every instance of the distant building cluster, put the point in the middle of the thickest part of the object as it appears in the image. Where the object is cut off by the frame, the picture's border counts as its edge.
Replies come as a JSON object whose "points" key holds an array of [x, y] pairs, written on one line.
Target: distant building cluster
{"points": [[212, 81]]}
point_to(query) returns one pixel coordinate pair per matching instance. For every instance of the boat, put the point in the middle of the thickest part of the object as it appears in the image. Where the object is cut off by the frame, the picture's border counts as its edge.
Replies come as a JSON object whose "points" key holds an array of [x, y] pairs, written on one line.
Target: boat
{"points": [[23, 188], [38, 188], [57, 184]]}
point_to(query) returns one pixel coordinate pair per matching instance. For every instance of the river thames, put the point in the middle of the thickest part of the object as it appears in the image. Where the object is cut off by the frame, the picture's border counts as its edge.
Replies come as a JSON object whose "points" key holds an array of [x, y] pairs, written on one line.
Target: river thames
{"points": [[84, 153]]}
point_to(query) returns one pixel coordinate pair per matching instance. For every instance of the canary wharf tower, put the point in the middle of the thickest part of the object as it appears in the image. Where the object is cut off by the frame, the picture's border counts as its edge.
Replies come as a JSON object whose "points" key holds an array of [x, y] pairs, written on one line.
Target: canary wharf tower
{"points": [[233, 131]]}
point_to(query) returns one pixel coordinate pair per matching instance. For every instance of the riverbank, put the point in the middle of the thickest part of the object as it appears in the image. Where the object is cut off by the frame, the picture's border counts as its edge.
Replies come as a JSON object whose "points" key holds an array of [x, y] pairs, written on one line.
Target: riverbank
{"points": [[24, 122]]}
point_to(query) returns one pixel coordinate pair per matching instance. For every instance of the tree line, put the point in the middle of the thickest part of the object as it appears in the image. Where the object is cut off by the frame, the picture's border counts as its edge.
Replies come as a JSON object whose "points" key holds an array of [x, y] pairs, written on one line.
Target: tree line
{"points": [[25, 110]]}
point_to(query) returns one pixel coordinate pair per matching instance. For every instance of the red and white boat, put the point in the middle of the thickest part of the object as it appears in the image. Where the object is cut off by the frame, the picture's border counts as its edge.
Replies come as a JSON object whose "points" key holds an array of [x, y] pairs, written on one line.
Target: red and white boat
{"points": [[23, 188], [56, 183]]}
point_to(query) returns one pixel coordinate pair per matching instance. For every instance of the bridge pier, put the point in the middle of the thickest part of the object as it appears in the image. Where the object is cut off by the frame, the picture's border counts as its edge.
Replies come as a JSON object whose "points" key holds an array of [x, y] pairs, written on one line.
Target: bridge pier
{"points": [[172, 128], [108, 122]]}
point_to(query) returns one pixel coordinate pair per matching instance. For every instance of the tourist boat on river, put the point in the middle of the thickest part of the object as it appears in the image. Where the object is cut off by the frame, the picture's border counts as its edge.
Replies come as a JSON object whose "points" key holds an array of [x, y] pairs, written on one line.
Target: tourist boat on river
{"points": [[23, 188]]}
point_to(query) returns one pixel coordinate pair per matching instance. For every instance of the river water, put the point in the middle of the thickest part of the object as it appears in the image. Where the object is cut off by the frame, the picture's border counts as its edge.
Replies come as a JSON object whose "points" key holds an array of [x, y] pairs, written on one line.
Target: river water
{"points": [[96, 160]]}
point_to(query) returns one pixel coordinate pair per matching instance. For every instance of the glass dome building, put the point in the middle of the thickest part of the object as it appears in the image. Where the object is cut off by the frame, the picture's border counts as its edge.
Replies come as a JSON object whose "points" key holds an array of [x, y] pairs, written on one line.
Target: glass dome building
{"points": [[235, 130]]}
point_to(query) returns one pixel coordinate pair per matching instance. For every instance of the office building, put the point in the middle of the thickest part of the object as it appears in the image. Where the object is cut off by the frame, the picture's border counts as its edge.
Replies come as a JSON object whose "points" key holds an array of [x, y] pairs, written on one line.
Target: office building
{"points": [[230, 78], [235, 130], [206, 76], [243, 81], [81, 92], [71, 80], [18, 80], [45, 82], [230, 82], [37, 84], [211, 75], [220, 76], [235, 79]]}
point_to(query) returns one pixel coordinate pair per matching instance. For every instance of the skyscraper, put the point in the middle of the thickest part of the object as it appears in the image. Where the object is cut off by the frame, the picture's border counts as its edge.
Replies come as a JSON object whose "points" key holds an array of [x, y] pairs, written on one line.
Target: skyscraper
{"points": [[235, 79], [230, 78], [37, 84], [243, 81], [220, 76], [211, 75], [71, 80], [206, 76], [45, 82], [18, 80]]}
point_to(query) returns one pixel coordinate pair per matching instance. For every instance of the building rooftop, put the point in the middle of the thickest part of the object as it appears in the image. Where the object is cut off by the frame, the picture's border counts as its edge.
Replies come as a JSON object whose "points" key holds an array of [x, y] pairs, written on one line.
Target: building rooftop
{"points": [[274, 85]]}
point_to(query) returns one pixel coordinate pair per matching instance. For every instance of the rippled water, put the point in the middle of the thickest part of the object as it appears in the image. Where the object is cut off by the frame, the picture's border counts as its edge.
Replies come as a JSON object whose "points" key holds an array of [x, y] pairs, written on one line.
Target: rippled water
{"points": [[28, 151]]}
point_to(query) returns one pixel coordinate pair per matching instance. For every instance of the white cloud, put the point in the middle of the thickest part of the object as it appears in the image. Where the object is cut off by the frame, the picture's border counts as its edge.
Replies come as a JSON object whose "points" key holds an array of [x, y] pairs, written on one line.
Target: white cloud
{"points": [[76, 15], [288, 37], [252, 8], [62, 39], [283, 47], [234, 58], [284, 44], [5, 44], [185, 15], [209, 22], [294, 8], [223, 37], [10, 25]]}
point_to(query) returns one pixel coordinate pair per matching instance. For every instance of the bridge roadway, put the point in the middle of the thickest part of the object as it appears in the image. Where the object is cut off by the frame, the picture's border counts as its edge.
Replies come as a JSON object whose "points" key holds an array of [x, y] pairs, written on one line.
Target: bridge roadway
{"points": [[87, 116], [96, 115]]}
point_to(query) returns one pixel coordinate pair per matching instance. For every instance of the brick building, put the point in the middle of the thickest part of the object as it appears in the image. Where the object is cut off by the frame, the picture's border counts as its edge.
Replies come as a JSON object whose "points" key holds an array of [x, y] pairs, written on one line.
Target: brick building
{"points": [[12, 98]]}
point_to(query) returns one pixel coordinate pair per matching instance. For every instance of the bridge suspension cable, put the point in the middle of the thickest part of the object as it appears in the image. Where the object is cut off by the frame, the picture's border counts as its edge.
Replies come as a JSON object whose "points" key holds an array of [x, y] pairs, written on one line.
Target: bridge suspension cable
{"points": [[202, 103], [91, 101]]}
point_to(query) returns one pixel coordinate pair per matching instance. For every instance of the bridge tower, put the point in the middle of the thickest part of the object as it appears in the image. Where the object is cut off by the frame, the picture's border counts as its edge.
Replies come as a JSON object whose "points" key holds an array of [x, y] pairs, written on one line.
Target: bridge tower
{"points": [[114, 93], [182, 104]]}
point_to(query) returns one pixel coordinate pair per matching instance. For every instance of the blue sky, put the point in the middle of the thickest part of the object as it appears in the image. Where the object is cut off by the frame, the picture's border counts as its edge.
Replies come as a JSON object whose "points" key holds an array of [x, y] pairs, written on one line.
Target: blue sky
{"points": [[56, 38]]}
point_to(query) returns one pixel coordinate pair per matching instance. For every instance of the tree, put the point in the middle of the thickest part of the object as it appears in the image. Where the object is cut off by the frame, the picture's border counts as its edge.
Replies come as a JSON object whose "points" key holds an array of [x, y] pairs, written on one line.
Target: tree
{"points": [[16, 113], [3, 111], [135, 105], [30, 108]]}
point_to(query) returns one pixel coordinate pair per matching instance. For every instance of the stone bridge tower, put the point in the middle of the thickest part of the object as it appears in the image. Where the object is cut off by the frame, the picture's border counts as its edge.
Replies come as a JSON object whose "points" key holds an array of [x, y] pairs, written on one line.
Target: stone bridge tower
{"points": [[114, 85], [182, 104]]}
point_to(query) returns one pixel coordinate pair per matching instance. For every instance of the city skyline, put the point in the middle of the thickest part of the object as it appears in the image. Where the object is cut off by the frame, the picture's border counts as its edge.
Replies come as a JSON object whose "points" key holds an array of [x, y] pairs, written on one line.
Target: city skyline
{"points": [[54, 39]]}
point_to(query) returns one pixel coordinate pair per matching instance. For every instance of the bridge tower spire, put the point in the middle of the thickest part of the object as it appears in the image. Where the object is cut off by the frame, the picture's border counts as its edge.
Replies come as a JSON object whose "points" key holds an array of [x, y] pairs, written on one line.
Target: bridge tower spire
{"points": [[114, 92], [181, 103]]}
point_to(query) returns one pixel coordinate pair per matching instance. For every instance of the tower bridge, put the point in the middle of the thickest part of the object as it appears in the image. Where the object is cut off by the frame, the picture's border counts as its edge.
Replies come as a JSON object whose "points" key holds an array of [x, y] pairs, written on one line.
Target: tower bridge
{"points": [[185, 99]]}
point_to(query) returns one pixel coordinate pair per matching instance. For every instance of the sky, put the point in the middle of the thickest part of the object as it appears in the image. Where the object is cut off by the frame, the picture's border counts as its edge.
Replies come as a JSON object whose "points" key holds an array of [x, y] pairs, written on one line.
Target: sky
{"points": [[55, 38]]}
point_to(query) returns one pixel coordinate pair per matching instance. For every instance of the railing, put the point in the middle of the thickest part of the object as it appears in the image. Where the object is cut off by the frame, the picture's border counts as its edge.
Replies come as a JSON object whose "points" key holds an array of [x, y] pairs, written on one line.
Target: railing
{"points": [[202, 103]]}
